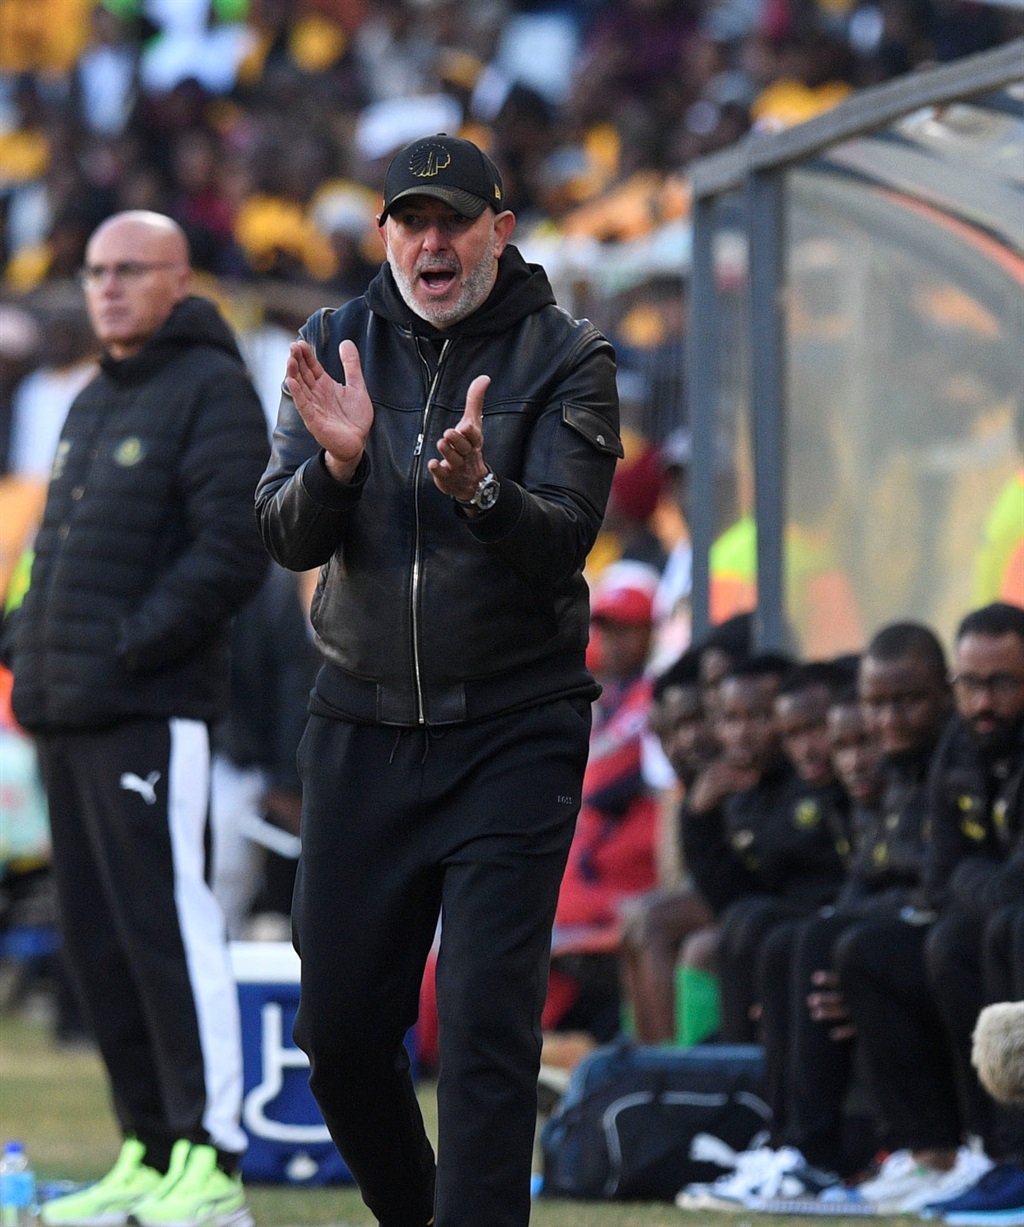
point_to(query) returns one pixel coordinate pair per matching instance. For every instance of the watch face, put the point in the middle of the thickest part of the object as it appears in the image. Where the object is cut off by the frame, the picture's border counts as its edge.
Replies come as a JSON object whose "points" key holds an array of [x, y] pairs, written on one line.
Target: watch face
{"points": [[487, 494]]}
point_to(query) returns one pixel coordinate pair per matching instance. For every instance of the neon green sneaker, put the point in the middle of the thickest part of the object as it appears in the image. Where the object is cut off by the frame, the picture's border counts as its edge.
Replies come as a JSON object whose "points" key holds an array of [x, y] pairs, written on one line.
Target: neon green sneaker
{"points": [[107, 1202], [194, 1193]]}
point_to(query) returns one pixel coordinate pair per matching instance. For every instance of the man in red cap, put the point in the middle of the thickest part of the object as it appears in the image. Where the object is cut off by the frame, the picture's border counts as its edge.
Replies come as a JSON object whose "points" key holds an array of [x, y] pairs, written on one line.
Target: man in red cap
{"points": [[613, 854]]}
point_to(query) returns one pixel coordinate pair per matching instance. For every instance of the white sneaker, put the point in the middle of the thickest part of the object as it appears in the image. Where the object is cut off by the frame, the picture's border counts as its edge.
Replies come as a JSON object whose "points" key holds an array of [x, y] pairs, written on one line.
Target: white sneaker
{"points": [[791, 1178], [759, 1173], [904, 1186]]}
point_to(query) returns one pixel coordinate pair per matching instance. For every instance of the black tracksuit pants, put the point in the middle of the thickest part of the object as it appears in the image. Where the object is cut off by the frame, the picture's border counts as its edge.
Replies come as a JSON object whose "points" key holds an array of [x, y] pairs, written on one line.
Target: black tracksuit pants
{"points": [[900, 1031], [1003, 954], [955, 955], [143, 934], [473, 821], [809, 1074], [743, 929]]}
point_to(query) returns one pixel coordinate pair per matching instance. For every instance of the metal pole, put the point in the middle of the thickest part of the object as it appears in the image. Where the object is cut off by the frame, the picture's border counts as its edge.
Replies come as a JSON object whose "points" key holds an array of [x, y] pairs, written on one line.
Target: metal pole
{"points": [[766, 221], [702, 379]]}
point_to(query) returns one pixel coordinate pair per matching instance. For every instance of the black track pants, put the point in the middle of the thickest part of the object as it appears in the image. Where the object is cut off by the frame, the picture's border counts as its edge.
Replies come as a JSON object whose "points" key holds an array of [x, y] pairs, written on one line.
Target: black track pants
{"points": [[900, 1032], [955, 958], [1003, 954], [472, 821], [143, 934], [820, 1069], [743, 929]]}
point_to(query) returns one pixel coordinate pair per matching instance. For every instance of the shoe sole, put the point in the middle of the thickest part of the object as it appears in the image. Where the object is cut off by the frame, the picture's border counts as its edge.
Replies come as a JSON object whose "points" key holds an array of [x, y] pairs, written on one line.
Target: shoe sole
{"points": [[836, 1208], [708, 1201], [112, 1218], [231, 1218]]}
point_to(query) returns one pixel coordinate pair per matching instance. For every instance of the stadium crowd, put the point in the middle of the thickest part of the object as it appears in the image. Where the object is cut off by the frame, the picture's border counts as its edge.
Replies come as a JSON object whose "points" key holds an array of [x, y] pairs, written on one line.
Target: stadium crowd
{"points": [[264, 126]]}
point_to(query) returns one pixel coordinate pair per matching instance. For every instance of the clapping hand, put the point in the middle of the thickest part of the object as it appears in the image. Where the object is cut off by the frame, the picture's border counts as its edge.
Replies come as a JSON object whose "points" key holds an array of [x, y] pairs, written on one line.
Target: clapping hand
{"points": [[337, 415], [462, 467]]}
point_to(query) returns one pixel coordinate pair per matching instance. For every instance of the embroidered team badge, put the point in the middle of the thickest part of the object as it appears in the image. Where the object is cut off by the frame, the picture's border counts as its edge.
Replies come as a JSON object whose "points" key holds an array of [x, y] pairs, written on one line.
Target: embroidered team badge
{"points": [[970, 823], [428, 160], [807, 815], [129, 452]]}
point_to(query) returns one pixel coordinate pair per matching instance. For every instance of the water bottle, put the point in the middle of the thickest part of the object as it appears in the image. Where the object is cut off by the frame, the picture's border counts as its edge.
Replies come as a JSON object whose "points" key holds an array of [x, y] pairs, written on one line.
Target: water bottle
{"points": [[17, 1187]]}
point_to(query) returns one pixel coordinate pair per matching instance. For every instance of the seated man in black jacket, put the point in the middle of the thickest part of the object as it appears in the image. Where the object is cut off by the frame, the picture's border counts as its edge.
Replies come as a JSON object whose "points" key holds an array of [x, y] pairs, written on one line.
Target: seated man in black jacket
{"points": [[769, 850], [916, 984]]}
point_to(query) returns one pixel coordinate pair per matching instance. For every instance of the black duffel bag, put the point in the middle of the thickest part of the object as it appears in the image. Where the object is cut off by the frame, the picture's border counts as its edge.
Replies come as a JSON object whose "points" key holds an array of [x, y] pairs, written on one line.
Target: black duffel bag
{"points": [[625, 1128]]}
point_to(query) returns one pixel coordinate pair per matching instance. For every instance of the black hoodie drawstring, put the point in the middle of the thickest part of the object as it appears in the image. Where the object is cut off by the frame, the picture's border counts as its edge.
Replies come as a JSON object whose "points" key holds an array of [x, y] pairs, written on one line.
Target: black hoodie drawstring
{"points": [[394, 748], [429, 734]]}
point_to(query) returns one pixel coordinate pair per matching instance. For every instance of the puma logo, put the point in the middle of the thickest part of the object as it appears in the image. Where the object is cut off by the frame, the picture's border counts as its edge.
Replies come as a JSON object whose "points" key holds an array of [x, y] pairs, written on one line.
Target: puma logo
{"points": [[146, 788]]}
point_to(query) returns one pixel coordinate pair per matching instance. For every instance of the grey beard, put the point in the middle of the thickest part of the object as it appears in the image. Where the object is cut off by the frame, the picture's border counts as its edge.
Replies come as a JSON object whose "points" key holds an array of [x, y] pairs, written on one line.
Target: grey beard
{"points": [[474, 293]]}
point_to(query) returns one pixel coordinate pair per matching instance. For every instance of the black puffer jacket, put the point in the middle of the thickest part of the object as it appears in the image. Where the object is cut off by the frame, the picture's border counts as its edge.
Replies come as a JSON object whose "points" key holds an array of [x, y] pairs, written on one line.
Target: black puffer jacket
{"points": [[148, 543], [423, 615]]}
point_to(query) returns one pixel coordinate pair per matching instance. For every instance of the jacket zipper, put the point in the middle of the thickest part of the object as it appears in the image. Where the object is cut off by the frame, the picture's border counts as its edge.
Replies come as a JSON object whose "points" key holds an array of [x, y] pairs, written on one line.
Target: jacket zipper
{"points": [[417, 569]]}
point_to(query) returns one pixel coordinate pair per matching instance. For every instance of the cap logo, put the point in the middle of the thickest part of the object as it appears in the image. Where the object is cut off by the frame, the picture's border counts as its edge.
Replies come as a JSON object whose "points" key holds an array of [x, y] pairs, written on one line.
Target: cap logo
{"points": [[428, 160]]}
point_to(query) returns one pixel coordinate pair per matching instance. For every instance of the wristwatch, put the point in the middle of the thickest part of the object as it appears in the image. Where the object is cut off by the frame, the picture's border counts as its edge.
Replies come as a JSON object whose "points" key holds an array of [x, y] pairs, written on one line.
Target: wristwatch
{"points": [[485, 495]]}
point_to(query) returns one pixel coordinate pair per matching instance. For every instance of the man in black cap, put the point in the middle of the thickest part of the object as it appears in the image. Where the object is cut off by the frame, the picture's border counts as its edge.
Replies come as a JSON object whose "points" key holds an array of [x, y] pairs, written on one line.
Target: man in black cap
{"points": [[444, 452]]}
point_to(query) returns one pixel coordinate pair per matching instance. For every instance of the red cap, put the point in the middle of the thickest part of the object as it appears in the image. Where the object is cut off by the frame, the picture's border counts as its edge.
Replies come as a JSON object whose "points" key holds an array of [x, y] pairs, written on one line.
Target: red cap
{"points": [[624, 592]]}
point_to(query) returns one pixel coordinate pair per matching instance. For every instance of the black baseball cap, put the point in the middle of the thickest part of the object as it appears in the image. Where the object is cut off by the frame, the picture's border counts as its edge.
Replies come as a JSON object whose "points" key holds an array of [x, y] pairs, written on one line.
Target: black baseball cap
{"points": [[447, 168]]}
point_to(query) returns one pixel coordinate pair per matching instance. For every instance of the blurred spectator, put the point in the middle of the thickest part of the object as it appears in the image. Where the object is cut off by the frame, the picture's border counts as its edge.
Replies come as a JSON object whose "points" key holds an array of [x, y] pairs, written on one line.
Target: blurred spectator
{"points": [[344, 211], [613, 852], [20, 347], [787, 847], [255, 791], [657, 922], [105, 83], [41, 400], [42, 38], [200, 203], [637, 487]]}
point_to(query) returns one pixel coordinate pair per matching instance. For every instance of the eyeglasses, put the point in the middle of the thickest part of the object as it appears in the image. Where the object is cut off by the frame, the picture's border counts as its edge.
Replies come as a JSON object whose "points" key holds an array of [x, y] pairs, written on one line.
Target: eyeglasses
{"points": [[125, 270], [999, 685]]}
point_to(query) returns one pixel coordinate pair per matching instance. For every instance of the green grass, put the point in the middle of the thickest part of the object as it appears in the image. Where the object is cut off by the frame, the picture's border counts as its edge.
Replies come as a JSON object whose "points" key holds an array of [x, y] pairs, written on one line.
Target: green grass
{"points": [[56, 1102]]}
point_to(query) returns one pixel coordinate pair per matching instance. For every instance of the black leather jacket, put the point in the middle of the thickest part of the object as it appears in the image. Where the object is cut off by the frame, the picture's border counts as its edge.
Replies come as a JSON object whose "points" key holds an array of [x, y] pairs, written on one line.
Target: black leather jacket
{"points": [[426, 616]]}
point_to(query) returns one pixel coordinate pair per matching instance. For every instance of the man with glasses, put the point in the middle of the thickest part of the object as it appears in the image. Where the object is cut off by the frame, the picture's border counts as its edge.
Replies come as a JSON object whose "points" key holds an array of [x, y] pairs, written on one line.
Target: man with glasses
{"points": [[918, 986], [975, 951], [146, 550]]}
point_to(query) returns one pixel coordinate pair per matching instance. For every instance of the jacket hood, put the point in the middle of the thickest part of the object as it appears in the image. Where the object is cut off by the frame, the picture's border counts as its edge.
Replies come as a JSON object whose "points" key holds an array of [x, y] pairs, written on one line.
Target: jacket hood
{"points": [[193, 321], [520, 290]]}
